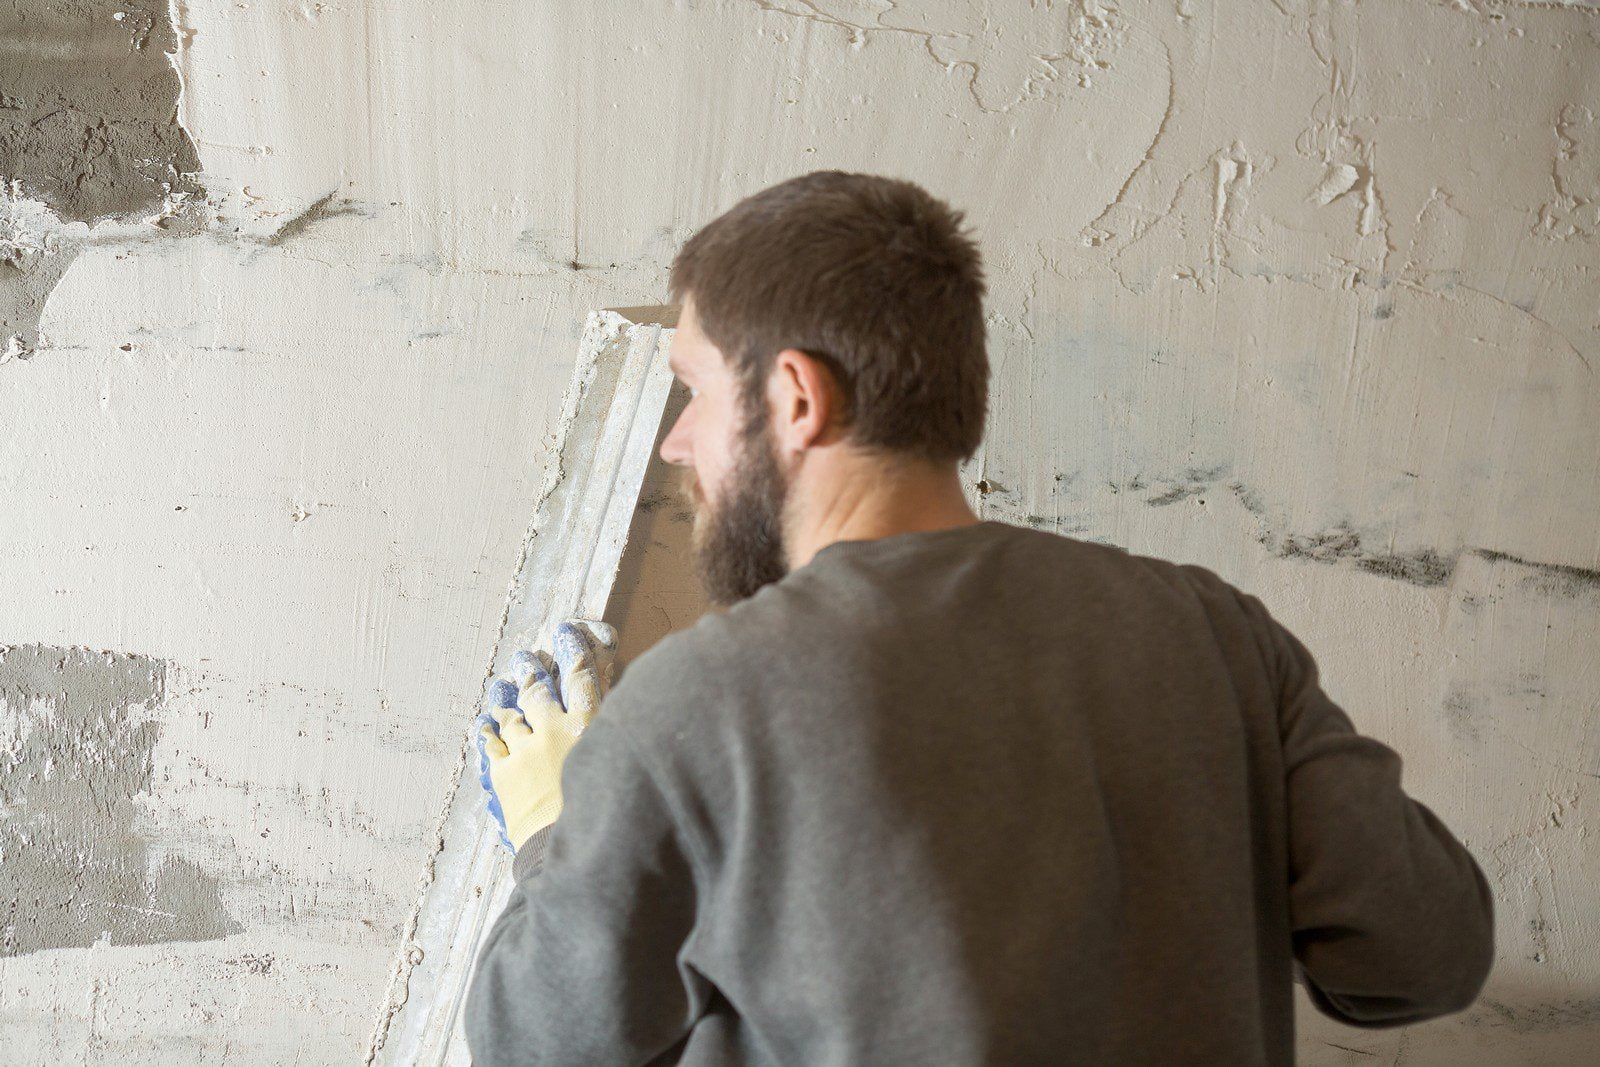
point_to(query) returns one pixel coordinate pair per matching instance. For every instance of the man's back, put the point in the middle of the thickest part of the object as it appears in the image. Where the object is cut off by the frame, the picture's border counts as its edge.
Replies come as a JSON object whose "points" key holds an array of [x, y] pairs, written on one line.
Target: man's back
{"points": [[977, 795]]}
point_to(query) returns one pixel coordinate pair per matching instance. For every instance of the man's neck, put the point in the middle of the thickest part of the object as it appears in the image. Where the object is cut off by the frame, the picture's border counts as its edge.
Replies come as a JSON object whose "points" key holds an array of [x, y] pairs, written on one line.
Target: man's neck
{"points": [[844, 495]]}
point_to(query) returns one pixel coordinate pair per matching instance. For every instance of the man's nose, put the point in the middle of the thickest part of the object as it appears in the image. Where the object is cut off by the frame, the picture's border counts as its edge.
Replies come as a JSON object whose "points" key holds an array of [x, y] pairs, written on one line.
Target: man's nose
{"points": [[675, 446]]}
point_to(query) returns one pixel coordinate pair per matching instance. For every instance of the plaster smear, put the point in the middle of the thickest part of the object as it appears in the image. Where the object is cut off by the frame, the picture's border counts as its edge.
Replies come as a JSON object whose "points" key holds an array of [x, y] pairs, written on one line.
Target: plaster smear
{"points": [[89, 129], [77, 730]]}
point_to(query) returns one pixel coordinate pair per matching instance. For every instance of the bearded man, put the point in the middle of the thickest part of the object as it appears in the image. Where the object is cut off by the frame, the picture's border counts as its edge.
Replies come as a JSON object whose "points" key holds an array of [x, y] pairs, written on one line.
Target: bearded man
{"points": [[932, 789]]}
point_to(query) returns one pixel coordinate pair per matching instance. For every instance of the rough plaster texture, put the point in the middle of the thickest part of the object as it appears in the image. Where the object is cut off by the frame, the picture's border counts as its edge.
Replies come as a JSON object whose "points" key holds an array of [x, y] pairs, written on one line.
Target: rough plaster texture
{"points": [[1305, 291], [89, 130]]}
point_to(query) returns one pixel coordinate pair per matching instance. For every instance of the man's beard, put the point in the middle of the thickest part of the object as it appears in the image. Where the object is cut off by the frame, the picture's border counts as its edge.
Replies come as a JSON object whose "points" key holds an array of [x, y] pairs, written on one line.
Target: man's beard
{"points": [[738, 543]]}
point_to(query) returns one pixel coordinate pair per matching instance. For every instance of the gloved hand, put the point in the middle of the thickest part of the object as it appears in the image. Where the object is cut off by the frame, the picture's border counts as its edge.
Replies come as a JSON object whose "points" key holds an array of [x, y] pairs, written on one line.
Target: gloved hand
{"points": [[534, 718]]}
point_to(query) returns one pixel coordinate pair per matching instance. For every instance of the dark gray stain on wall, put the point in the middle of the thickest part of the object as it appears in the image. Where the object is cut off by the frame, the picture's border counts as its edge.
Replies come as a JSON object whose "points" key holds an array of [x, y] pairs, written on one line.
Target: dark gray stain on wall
{"points": [[1191, 483], [1342, 543], [76, 737], [1463, 715], [89, 125], [1536, 1017], [1557, 578]]}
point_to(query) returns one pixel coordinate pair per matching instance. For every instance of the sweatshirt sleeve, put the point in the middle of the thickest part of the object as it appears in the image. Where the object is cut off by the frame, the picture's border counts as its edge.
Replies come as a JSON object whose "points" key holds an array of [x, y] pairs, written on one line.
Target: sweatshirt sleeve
{"points": [[1392, 918], [583, 966]]}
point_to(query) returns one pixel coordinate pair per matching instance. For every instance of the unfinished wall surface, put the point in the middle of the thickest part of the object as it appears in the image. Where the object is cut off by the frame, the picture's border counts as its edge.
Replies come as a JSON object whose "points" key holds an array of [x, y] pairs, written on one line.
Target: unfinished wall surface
{"points": [[1305, 291]]}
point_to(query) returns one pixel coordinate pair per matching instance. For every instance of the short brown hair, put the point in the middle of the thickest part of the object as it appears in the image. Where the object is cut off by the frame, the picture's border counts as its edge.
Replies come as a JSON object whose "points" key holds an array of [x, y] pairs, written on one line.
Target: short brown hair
{"points": [[870, 275]]}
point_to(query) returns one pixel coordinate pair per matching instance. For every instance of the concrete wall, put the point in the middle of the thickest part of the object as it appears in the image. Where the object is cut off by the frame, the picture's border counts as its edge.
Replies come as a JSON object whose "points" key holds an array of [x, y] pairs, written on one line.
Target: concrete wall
{"points": [[1303, 290]]}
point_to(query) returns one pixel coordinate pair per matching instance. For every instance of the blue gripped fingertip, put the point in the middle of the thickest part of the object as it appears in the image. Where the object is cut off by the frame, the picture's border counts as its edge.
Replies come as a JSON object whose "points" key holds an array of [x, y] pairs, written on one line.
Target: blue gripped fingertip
{"points": [[543, 677], [502, 694], [523, 664], [570, 644]]}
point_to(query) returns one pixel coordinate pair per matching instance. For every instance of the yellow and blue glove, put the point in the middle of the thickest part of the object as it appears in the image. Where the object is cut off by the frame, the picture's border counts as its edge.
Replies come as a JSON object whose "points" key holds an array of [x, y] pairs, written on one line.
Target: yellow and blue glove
{"points": [[534, 718]]}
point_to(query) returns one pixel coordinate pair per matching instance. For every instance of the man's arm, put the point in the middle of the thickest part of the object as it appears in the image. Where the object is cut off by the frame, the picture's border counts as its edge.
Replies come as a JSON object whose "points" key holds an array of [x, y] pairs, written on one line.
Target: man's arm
{"points": [[583, 965], [1393, 920]]}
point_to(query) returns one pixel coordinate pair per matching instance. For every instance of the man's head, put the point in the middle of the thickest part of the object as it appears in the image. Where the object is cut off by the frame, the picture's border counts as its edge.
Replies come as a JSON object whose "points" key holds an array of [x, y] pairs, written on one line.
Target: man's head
{"points": [[830, 311]]}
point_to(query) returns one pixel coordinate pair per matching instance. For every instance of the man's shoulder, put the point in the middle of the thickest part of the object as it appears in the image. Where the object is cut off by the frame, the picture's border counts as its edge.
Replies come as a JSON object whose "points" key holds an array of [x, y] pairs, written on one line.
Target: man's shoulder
{"points": [[723, 669], [686, 670], [730, 659], [1121, 562], [1139, 575]]}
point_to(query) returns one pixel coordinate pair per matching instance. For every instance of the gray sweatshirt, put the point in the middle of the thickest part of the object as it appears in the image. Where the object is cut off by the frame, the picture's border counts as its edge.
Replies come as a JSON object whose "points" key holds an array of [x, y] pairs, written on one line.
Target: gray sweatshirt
{"points": [[985, 795]]}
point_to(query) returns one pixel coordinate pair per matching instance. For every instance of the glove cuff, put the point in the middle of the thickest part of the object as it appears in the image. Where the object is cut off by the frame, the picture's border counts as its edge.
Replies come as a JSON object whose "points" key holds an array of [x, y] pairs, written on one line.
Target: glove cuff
{"points": [[526, 824]]}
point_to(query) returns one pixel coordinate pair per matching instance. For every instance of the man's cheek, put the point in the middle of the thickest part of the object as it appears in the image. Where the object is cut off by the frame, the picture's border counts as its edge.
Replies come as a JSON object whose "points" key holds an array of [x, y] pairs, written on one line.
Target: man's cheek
{"points": [[707, 487], [694, 496]]}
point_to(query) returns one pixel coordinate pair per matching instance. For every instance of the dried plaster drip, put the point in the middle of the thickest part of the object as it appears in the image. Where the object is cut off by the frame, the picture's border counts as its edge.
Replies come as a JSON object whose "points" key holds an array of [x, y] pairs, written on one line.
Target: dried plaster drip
{"points": [[1339, 179], [76, 735], [1575, 209]]}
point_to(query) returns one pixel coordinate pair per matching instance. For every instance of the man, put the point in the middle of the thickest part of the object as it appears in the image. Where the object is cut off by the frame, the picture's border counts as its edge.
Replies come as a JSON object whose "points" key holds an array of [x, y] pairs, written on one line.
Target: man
{"points": [[933, 790]]}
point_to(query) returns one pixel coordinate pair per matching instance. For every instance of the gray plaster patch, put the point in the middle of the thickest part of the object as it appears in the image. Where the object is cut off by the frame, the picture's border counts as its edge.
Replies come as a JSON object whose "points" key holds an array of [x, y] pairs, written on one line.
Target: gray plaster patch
{"points": [[76, 736], [90, 105], [89, 126]]}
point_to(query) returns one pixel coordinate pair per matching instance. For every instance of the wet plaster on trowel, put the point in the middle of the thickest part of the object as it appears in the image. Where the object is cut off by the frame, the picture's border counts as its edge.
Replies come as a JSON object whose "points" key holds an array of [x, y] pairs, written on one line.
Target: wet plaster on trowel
{"points": [[88, 131], [77, 732]]}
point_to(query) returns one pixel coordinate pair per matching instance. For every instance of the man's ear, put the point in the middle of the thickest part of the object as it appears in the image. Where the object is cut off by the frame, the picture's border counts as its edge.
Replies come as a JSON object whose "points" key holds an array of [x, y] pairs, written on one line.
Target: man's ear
{"points": [[805, 400]]}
